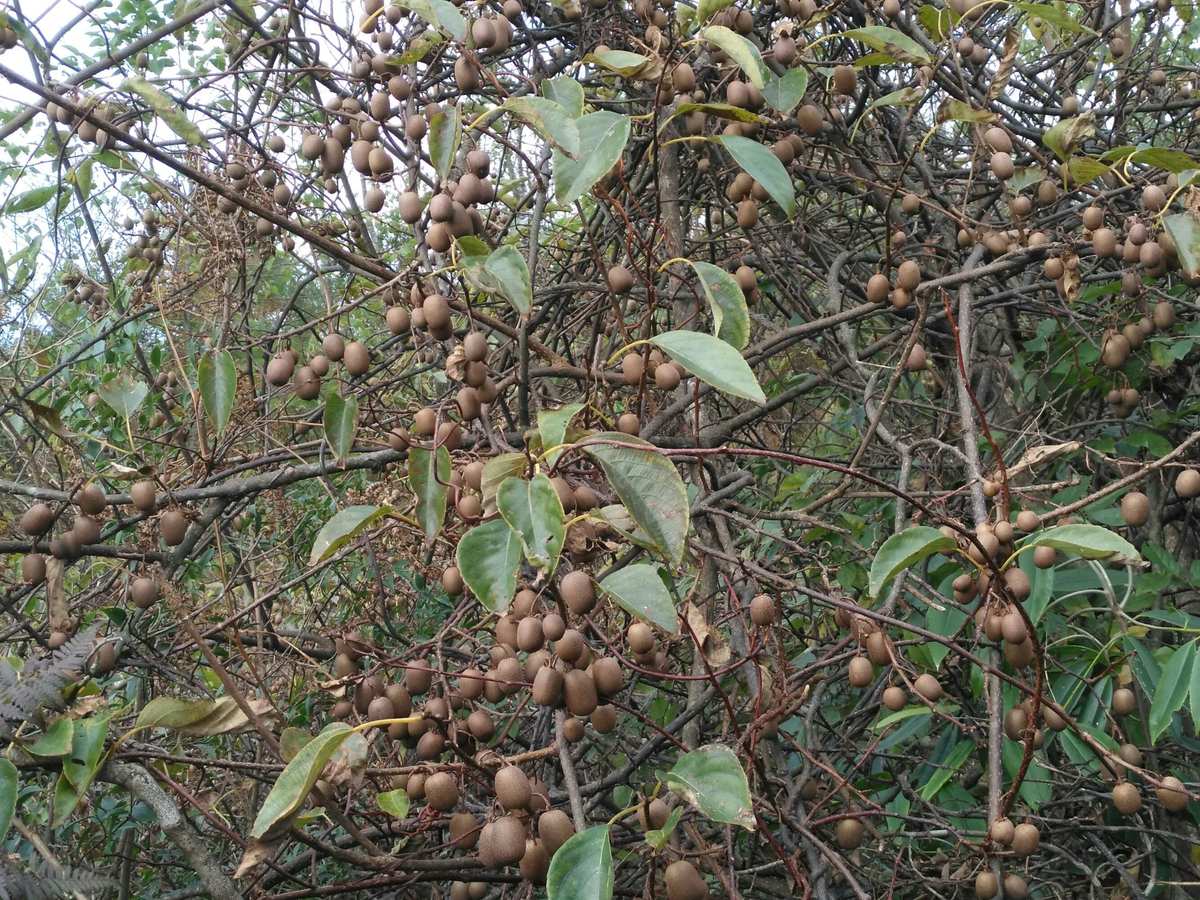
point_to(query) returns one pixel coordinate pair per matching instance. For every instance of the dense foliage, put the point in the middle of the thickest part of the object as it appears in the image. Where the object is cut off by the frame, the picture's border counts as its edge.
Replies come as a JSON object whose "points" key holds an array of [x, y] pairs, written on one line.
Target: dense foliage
{"points": [[622, 449]]}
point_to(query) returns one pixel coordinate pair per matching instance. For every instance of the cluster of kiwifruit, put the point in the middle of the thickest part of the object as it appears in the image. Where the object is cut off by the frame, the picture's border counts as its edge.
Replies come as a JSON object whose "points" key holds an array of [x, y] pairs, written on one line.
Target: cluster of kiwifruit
{"points": [[82, 289], [899, 292], [876, 649], [306, 379], [80, 126]]}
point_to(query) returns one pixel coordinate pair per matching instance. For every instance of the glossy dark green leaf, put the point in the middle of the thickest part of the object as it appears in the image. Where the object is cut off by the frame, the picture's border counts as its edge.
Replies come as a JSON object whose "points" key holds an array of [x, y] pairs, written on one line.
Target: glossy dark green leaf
{"points": [[296, 780], [79, 767], [712, 361], [344, 526], [713, 781], [727, 302], [648, 486], [489, 557], [55, 741], [532, 509], [218, 386], [1172, 689], [582, 868], [904, 549], [429, 478], [341, 423], [640, 591]]}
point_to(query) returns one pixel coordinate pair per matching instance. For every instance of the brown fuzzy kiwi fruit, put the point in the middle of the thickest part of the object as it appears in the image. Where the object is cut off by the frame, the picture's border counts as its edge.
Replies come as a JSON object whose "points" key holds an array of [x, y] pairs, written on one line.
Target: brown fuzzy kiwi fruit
{"points": [[604, 718], [628, 423], [470, 683], [895, 698], [1124, 701], [512, 788], [928, 687], [357, 358], [1015, 887], [548, 687], [579, 691], [577, 592], [144, 495], [480, 724], [684, 882], [172, 526], [1044, 557], [464, 830], [441, 791], [1135, 508], [33, 568], [507, 841], [535, 863], [1172, 794], [90, 499], [529, 634], [1001, 831], [986, 885], [877, 649], [908, 276], [37, 519], [1187, 483], [849, 833], [653, 814], [430, 745], [620, 279], [762, 611], [860, 672], [1012, 627], [640, 638], [608, 676], [1026, 839], [554, 828], [418, 678], [144, 592]]}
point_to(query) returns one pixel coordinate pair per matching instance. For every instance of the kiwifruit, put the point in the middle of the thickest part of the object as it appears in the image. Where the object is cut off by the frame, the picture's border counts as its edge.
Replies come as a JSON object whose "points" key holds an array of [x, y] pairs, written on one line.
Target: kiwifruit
{"points": [[666, 377], [344, 665], [104, 660], [1001, 831], [33, 568], [357, 358], [895, 698], [1104, 242], [463, 829], [608, 676], [849, 833], [916, 359], [632, 368], [1001, 164], [1124, 701], [452, 582], [441, 791], [547, 687], [512, 788], [877, 649], [928, 687], [380, 708], [620, 279], [510, 674], [845, 79], [470, 683], [1130, 754], [1019, 655], [529, 634], [554, 828], [1012, 627], [810, 119], [506, 630], [449, 435], [507, 839], [1026, 838], [418, 677], [1044, 557], [1015, 887], [342, 709], [1016, 721], [37, 519], [535, 863], [553, 626], [585, 498], [1172, 794], [986, 885], [577, 592], [762, 610], [908, 276], [424, 422], [604, 718], [747, 214], [1135, 508], [480, 724], [653, 814], [579, 691], [279, 369], [628, 423], [90, 499], [1187, 483], [1092, 217], [878, 288], [1164, 315], [430, 745], [144, 592], [144, 495], [86, 530], [172, 526], [640, 637], [860, 672], [684, 882]]}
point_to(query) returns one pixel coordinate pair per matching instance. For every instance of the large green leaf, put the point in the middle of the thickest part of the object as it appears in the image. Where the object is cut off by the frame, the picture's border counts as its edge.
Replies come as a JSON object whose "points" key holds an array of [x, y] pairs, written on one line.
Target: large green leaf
{"points": [[648, 486], [604, 135], [344, 526], [10, 784], [904, 549], [640, 591], [731, 317], [489, 557], [894, 43], [79, 767], [200, 718], [495, 472], [394, 803], [1087, 541], [1172, 689], [764, 167], [508, 267], [1053, 15], [296, 780], [1184, 230], [31, 200], [784, 92], [165, 108], [441, 14], [712, 780], [706, 8], [445, 134], [721, 111], [218, 386], [532, 509], [944, 769], [623, 62], [582, 868], [712, 361], [740, 50], [549, 120], [567, 93], [341, 422], [55, 741], [1067, 134], [429, 478], [552, 426], [123, 394]]}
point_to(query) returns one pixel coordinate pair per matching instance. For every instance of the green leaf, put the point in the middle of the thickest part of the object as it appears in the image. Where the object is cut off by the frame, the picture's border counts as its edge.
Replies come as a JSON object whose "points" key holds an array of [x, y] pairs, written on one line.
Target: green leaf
{"points": [[341, 422], [1162, 158], [440, 14], [1172, 689], [648, 485], [722, 111], [296, 780], [1087, 541], [552, 426], [549, 120], [532, 510], [1194, 695], [80, 766], [764, 167], [712, 361], [1067, 134], [712, 780], [938, 22], [622, 62], [961, 111], [445, 134], [1055, 16], [892, 42], [605, 135], [1084, 169], [218, 386], [567, 93], [1185, 232], [740, 50], [904, 549], [489, 557], [784, 92], [55, 741], [31, 200], [495, 472], [582, 868], [200, 718], [640, 591], [429, 478], [508, 267], [394, 803], [123, 394], [731, 317], [165, 108], [706, 8], [658, 837], [10, 784], [343, 527], [81, 177], [946, 769], [900, 715]]}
